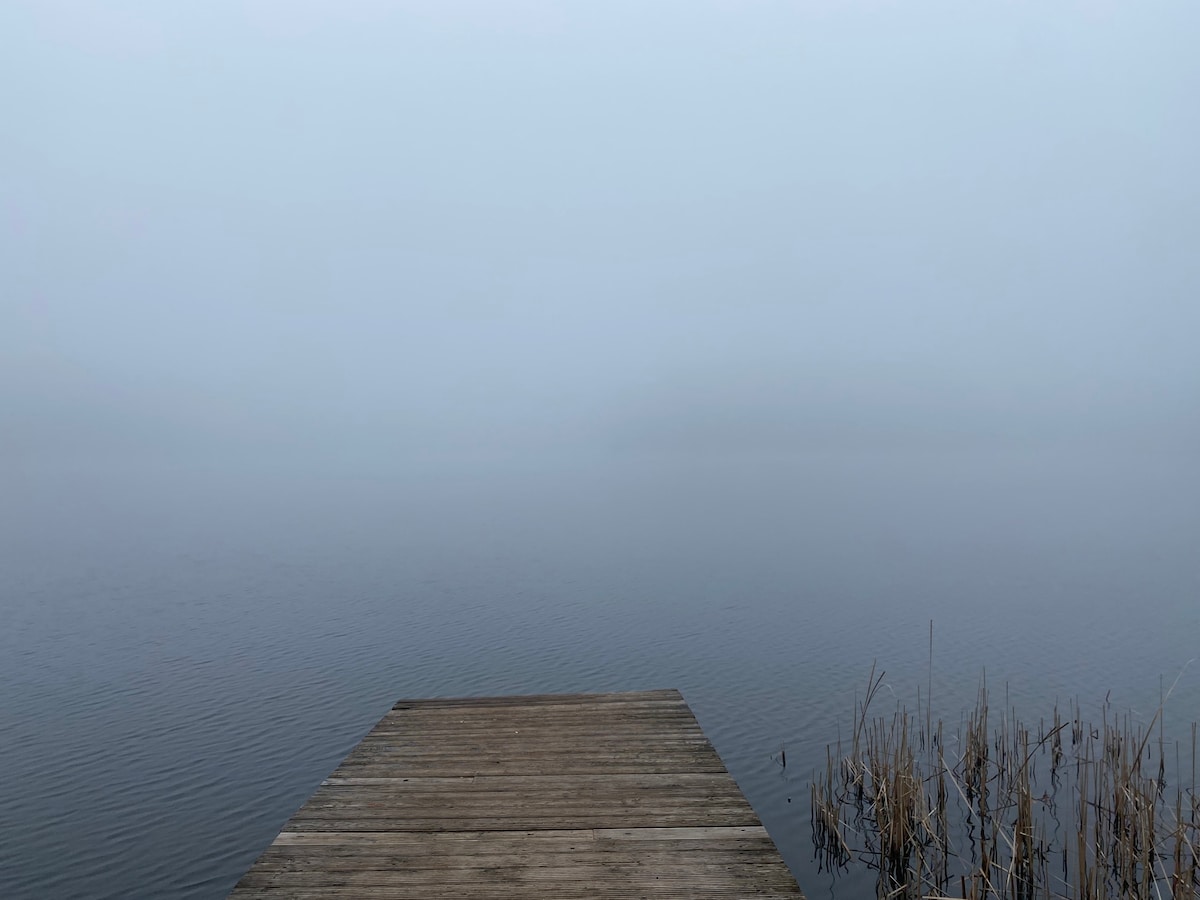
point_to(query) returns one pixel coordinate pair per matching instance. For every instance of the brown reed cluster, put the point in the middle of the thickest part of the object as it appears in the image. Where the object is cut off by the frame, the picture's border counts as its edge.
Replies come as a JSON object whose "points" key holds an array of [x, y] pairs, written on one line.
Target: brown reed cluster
{"points": [[1000, 810]]}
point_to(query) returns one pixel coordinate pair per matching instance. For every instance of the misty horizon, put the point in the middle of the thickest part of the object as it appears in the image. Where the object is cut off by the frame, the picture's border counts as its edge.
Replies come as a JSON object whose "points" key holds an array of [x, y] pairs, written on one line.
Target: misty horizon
{"points": [[441, 229]]}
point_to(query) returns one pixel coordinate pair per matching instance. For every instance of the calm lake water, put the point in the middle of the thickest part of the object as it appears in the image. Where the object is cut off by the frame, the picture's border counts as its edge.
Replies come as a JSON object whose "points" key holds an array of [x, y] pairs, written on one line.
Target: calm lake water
{"points": [[185, 652]]}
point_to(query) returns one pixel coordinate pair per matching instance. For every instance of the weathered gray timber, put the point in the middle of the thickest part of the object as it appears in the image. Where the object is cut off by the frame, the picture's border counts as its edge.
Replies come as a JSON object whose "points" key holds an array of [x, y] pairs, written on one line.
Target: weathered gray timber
{"points": [[558, 796]]}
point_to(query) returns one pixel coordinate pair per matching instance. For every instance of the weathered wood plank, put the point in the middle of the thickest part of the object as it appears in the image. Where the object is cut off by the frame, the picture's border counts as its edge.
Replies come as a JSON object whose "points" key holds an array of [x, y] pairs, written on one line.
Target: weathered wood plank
{"points": [[652, 817], [662, 859], [681, 872], [482, 783], [595, 735], [565, 716], [573, 890], [566, 796], [501, 767], [374, 796], [622, 699], [578, 835]]}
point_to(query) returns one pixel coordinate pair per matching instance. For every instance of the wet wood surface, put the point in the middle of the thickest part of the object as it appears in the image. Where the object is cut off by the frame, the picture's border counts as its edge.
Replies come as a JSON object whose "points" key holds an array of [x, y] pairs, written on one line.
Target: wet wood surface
{"points": [[551, 796]]}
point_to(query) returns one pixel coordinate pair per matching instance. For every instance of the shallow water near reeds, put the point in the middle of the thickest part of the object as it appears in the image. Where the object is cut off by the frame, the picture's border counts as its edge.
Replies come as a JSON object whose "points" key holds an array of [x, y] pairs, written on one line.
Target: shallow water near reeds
{"points": [[187, 650]]}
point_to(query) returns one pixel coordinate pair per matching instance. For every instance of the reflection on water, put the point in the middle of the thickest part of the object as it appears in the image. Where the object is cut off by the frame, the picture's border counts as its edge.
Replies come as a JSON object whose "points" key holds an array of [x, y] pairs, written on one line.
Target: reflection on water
{"points": [[185, 654]]}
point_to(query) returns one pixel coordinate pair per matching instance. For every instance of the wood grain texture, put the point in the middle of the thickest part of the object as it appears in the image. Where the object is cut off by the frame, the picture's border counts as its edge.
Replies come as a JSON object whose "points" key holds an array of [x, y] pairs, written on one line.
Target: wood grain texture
{"points": [[615, 796]]}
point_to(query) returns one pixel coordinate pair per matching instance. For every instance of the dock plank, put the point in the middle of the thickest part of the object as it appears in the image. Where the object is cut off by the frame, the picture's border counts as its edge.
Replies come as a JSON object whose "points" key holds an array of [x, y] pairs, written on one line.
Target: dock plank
{"points": [[615, 796]]}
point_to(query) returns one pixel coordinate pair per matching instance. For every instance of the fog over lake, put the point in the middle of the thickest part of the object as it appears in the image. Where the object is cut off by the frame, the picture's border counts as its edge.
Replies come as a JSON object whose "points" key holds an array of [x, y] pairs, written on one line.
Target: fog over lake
{"points": [[358, 351]]}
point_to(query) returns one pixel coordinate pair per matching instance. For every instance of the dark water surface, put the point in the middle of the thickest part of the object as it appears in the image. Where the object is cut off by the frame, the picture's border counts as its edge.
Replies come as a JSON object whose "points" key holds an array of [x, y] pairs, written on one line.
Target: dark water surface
{"points": [[185, 653]]}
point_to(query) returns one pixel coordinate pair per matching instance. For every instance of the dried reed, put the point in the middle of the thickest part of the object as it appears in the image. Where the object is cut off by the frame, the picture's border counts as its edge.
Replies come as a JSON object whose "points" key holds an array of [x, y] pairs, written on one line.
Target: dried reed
{"points": [[1016, 813]]}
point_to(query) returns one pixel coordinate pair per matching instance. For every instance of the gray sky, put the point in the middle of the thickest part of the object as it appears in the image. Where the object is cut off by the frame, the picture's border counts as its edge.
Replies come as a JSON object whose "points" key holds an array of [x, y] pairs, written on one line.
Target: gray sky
{"points": [[474, 226]]}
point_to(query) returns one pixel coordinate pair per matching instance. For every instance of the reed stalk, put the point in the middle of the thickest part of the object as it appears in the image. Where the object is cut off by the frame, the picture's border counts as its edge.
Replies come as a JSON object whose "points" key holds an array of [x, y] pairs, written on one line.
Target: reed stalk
{"points": [[988, 821]]}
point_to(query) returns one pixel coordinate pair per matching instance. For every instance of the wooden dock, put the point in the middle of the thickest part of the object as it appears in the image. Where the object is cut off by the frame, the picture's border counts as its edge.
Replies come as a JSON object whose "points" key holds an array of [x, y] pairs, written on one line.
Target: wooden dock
{"points": [[561, 796]]}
